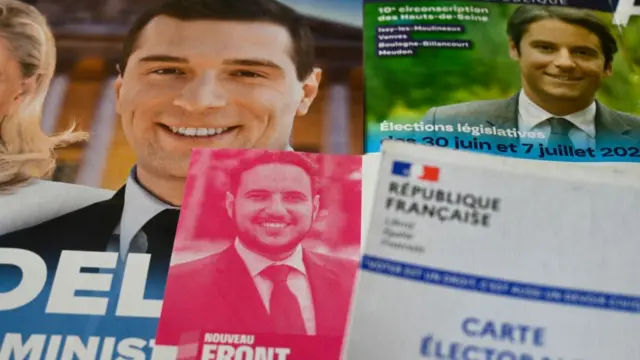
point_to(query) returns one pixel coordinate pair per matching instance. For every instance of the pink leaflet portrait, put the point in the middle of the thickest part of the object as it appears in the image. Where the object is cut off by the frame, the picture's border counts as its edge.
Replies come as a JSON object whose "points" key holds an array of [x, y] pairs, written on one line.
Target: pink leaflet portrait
{"points": [[267, 249]]}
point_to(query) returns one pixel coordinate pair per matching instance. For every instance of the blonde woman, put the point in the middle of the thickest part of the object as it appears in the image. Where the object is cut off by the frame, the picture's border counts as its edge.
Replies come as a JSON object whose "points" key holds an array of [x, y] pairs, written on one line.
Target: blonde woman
{"points": [[27, 64]]}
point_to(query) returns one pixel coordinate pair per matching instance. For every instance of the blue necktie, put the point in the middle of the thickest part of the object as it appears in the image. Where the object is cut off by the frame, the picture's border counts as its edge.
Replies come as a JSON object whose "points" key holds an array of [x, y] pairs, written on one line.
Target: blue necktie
{"points": [[559, 135]]}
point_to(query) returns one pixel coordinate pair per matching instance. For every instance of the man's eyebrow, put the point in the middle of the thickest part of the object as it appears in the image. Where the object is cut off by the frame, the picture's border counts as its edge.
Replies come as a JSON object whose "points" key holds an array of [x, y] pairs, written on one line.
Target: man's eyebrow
{"points": [[295, 192], [575, 47], [261, 190], [163, 58], [586, 47], [258, 190], [542, 41], [253, 62]]}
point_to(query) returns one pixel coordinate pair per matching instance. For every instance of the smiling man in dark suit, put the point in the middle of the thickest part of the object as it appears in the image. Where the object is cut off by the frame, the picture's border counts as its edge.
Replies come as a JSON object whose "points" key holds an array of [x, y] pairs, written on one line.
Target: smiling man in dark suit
{"points": [[564, 54], [201, 73], [265, 281]]}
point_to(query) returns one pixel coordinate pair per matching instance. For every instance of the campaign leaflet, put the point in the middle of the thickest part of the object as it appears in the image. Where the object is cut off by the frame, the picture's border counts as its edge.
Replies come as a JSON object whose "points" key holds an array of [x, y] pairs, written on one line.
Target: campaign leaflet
{"points": [[71, 304], [545, 79], [476, 257], [265, 256]]}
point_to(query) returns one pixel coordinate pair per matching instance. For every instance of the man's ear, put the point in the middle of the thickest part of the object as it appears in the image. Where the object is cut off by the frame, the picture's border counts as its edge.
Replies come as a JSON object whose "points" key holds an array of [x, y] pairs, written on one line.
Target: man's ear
{"points": [[316, 206], [310, 88], [608, 70], [229, 204], [117, 86], [514, 53]]}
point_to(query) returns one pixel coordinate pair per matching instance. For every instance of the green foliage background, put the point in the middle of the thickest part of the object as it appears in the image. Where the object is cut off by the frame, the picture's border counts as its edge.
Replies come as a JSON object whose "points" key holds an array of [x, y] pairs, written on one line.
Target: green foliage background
{"points": [[402, 89]]}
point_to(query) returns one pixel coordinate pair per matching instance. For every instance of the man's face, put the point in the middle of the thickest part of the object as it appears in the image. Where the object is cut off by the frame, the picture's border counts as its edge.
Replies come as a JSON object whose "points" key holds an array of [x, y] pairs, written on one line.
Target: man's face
{"points": [[273, 208], [218, 84], [560, 61]]}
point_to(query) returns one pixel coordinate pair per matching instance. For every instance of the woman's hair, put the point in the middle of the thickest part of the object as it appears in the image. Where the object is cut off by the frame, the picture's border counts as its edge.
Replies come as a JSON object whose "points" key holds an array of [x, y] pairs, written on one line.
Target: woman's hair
{"points": [[26, 152]]}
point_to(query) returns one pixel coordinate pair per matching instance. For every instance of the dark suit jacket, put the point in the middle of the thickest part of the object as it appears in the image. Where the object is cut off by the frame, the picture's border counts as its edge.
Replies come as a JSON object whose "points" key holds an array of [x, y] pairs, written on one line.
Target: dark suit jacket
{"points": [[86, 229], [216, 293], [612, 127]]}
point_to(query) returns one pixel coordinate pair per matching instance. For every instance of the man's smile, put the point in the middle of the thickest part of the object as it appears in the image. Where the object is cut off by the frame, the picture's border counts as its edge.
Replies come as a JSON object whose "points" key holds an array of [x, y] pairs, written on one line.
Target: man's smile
{"points": [[199, 131], [274, 225], [565, 78]]}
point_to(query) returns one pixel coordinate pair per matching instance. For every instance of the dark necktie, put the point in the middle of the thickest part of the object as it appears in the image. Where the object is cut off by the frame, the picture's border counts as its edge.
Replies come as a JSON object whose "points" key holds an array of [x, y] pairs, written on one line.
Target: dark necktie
{"points": [[284, 307], [559, 132], [160, 233]]}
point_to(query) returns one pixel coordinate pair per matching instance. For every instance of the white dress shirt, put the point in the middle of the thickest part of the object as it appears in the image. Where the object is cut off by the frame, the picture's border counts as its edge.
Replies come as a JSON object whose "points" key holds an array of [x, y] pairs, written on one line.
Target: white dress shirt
{"points": [[532, 117], [140, 206], [297, 281]]}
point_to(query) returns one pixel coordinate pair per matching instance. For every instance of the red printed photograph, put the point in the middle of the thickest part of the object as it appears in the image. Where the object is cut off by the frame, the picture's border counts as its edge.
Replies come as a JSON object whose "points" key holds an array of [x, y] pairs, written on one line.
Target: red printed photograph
{"points": [[265, 257]]}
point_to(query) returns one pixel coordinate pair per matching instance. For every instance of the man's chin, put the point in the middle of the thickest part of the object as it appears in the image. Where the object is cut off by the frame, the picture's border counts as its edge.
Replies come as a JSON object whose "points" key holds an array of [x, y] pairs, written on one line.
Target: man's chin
{"points": [[174, 167], [279, 250], [564, 94]]}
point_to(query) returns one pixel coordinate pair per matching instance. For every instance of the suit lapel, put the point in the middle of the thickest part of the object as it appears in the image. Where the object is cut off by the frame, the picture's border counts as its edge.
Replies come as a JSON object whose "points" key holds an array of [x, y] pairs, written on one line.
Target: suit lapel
{"points": [[611, 130], [505, 116], [91, 227], [237, 289], [328, 305]]}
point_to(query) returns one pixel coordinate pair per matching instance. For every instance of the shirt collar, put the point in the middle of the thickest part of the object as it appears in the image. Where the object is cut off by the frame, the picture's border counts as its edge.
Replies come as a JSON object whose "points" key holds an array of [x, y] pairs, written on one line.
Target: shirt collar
{"points": [[532, 115], [139, 207], [256, 263]]}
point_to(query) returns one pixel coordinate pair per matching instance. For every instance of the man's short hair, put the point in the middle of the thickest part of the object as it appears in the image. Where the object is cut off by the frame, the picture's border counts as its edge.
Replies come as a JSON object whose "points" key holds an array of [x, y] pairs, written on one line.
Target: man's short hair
{"points": [[525, 15], [247, 163], [270, 11]]}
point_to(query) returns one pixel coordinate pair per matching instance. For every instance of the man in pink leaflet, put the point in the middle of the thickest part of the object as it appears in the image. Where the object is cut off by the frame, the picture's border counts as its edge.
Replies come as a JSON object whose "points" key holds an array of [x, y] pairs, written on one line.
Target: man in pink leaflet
{"points": [[265, 281]]}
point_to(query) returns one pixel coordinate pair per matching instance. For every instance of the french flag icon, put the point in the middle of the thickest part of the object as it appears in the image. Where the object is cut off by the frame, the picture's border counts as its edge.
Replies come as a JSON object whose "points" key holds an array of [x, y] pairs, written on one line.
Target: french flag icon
{"points": [[420, 172]]}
